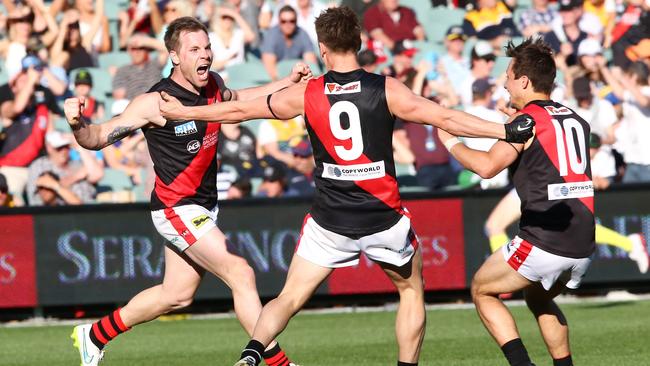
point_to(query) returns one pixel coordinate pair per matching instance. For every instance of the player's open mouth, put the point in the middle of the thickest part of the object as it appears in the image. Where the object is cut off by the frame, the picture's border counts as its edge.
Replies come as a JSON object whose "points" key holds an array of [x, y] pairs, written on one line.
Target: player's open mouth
{"points": [[203, 71]]}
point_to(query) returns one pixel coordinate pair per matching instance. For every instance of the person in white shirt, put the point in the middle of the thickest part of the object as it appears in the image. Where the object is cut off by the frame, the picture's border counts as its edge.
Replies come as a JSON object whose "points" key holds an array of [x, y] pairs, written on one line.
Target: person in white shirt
{"points": [[229, 33]]}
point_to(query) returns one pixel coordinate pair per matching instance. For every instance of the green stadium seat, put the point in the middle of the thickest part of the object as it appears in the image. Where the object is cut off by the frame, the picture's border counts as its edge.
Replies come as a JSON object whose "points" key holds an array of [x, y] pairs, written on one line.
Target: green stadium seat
{"points": [[60, 124], [420, 7], [102, 82], [115, 180], [439, 19], [116, 59], [285, 66], [248, 74], [112, 8]]}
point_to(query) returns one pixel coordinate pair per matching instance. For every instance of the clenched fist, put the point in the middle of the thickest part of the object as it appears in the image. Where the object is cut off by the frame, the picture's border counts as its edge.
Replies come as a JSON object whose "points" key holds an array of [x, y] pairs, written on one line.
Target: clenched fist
{"points": [[73, 108], [301, 72]]}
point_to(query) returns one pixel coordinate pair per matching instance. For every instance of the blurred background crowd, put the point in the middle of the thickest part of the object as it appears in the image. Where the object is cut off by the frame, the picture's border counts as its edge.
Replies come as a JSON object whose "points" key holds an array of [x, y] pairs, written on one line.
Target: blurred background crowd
{"points": [[452, 52]]}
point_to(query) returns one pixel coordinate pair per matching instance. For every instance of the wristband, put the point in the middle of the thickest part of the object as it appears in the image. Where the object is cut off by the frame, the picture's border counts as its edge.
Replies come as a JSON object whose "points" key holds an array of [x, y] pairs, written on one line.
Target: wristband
{"points": [[451, 143]]}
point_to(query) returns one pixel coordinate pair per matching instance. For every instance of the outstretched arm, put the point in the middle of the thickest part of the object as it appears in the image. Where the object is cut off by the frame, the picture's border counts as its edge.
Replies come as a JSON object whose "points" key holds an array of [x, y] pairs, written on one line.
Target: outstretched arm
{"points": [[410, 107], [96, 136], [284, 104], [299, 72]]}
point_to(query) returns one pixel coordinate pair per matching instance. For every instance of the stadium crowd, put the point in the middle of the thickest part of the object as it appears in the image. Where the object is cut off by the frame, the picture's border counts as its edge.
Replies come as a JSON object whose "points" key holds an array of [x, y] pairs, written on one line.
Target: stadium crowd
{"points": [[111, 51]]}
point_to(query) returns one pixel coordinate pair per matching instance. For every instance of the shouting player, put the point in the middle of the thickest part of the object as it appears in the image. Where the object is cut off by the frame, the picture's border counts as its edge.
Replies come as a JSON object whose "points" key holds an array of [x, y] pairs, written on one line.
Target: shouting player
{"points": [[349, 115], [184, 201], [552, 175]]}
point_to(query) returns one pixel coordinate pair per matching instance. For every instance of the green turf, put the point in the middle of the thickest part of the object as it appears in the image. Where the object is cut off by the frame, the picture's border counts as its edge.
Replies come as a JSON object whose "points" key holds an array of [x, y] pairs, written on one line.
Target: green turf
{"points": [[608, 334]]}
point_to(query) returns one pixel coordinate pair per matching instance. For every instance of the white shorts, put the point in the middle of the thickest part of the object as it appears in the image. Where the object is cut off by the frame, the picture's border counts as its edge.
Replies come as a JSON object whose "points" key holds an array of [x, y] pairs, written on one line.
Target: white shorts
{"points": [[541, 266], [325, 248], [182, 226]]}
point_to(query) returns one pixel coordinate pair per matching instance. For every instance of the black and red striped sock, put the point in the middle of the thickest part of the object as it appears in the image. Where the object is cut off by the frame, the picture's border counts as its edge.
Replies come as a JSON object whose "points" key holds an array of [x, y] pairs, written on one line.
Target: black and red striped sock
{"points": [[107, 328], [276, 356]]}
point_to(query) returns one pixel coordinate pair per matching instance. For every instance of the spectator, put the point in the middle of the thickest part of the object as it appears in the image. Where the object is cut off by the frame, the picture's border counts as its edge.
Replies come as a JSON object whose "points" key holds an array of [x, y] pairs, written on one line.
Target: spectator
{"points": [[25, 108], [273, 182], [603, 164], [51, 192], [275, 138], [456, 67], [72, 182], [286, 41], [241, 188], [135, 19], [402, 66], [143, 72], [70, 50], [389, 22], [306, 11], [93, 26], [360, 7], [565, 38], [83, 84], [491, 21], [229, 34], [6, 200], [482, 106], [367, 60], [632, 134], [482, 59], [237, 148], [54, 77], [538, 19], [600, 113], [128, 155], [300, 179], [632, 26], [250, 11]]}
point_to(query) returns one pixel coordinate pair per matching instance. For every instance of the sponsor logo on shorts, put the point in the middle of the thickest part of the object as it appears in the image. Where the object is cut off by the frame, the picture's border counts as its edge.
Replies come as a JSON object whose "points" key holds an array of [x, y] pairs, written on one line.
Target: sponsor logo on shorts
{"points": [[185, 129], [193, 146], [349, 88], [200, 221], [563, 191], [354, 172]]}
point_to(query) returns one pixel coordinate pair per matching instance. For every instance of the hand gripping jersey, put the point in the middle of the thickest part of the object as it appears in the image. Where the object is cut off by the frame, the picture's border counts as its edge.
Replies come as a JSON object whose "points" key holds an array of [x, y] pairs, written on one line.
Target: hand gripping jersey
{"points": [[553, 179], [184, 152], [351, 128]]}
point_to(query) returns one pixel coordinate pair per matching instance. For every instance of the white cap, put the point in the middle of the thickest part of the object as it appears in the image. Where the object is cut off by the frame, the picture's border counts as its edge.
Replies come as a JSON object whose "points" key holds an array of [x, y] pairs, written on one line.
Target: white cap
{"points": [[483, 48], [56, 139], [119, 106], [590, 47], [590, 24]]}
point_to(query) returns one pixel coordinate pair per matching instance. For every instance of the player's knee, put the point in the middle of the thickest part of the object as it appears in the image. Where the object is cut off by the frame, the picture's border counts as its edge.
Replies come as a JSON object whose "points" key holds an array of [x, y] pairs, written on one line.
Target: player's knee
{"points": [[244, 275], [477, 289], [178, 301]]}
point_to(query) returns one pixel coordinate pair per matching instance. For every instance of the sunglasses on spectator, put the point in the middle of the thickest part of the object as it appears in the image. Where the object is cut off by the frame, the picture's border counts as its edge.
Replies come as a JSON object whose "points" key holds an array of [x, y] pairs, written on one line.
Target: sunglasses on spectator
{"points": [[25, 19], [170, 9], [288, 21]]}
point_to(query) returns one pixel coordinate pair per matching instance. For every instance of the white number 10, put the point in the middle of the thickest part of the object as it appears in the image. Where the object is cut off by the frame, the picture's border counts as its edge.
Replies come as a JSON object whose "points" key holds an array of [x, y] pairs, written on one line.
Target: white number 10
{"points": [[352, 133], [571, 126]]}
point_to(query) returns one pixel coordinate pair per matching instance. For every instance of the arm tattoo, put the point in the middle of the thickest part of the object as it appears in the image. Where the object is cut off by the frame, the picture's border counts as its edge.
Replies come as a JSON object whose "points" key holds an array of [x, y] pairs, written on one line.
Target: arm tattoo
{"points": [[118, 133]]}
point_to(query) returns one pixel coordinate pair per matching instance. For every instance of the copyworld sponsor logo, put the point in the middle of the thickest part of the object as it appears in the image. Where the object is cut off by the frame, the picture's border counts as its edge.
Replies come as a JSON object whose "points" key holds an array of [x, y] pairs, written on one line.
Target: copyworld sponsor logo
{"points": [[185, 129], [563, 191], [354, 172], [349, 88]]}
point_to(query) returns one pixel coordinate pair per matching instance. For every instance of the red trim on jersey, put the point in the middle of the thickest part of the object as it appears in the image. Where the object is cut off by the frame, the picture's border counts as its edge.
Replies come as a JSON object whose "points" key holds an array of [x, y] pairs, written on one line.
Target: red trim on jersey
{"points": [[98, 334], [317, 107], [519, 256], [413, 237], [189, 180], [179, 226], [545, 133], [304, 222]]}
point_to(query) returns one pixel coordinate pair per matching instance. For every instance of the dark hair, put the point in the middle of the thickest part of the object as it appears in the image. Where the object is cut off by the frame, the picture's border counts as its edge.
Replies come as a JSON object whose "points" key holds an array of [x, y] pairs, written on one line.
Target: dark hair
{"points": [[244, 185], [534, 59], [366, 57], [287, 8], [177, 27], [339, 29], [640, 69]]}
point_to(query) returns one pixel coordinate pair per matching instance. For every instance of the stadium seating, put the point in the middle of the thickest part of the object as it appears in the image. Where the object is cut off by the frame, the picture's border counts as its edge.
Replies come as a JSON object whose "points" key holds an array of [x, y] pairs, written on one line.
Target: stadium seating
{"points": [[247, 74], [439, 19], [114, 180], [116, 59], [285, 66]]}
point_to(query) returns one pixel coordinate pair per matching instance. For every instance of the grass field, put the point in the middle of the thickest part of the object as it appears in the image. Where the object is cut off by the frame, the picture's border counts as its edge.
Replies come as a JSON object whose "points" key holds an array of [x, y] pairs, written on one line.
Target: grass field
{"points": [[603, 333]]}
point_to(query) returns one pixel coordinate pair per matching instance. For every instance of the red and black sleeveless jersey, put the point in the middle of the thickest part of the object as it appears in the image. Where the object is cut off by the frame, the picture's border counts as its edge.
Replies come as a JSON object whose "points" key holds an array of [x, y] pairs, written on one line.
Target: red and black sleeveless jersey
{"points": [[351, 129], [184, 152], [553, 179]]}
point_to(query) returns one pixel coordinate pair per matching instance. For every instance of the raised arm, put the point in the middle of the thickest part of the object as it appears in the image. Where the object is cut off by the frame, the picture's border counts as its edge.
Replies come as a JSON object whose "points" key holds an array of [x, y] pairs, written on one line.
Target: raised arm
{"points": [[299, 72], [284, 104], [410, 107], [137, 114]]}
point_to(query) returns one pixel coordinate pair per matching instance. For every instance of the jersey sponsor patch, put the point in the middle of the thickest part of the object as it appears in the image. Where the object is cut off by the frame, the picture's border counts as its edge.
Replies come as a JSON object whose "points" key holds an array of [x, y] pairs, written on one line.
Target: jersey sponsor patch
{"points": [[349, 88], [200, 220], [354, 172], [193, 146], [555, 111], [562, 191], [186, 129]]}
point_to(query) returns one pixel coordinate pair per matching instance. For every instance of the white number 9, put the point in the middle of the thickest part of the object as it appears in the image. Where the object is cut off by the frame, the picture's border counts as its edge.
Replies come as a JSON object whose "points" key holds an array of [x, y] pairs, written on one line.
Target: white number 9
{"points": [[353, 133]]}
